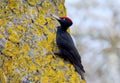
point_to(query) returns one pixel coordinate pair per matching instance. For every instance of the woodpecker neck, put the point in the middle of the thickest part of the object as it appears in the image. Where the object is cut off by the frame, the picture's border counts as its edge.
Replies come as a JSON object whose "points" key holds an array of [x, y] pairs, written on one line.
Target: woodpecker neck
{"points": [[62, 28]]}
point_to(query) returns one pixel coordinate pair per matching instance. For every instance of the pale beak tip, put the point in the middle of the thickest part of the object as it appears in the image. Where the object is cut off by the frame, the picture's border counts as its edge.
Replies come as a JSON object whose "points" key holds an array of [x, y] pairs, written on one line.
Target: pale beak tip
{"points": [[56, 17]]}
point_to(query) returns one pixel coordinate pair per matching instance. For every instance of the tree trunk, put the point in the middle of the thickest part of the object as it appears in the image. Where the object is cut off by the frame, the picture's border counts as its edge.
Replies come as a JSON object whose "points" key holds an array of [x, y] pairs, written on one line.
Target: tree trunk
{"points": [[27, 36]]}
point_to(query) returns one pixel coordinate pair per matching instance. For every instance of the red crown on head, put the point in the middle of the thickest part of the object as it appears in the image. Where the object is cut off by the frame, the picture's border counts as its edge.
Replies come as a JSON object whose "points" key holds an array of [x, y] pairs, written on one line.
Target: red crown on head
{"points": [[66, 18]]}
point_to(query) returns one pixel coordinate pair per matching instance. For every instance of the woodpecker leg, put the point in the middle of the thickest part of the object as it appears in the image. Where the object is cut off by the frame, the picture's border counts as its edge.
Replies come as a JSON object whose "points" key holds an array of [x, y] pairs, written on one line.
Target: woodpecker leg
{"points": [[60, 55], [51, 53], [56, 53]]}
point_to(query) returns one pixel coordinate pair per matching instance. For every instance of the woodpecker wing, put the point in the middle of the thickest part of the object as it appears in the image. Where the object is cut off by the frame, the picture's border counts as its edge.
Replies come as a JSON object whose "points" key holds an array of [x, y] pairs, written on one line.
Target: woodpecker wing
{"points": [[68, 49]]}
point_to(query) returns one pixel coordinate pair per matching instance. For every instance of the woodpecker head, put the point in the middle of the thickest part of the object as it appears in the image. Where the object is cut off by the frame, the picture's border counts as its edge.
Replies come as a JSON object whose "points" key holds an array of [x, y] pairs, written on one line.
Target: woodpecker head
{"points": [[64, 21]]}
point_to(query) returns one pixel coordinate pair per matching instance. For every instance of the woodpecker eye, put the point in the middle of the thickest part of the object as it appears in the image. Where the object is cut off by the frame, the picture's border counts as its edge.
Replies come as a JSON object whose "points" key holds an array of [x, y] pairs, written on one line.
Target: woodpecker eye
{"points": [[64, 19]]}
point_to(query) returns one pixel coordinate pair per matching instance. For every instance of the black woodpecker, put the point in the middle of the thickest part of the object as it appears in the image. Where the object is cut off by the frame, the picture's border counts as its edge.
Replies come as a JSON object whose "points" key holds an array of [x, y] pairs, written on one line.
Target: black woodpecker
{"points": [[67, 49]]}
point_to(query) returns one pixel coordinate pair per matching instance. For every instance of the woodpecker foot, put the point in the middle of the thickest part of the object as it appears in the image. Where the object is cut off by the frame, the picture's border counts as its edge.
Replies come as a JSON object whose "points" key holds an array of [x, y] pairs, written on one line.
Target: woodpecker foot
{"points": [[55, 53], [51, 53]]}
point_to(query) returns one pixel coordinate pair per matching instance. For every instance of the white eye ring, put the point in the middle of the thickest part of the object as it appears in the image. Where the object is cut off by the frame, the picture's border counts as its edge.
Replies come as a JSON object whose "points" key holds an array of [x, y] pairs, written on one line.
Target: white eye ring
{"points": [[63, 18]]}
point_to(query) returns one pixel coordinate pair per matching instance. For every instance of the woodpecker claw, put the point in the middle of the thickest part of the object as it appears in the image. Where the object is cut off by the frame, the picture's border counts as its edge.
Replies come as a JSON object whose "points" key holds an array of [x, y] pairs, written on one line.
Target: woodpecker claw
{"points": [[51, 53]]}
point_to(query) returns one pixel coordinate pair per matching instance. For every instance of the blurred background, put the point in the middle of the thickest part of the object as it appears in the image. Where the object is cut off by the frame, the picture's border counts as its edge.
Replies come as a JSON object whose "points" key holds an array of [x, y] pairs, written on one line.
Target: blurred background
{"points": [[96, 30]]}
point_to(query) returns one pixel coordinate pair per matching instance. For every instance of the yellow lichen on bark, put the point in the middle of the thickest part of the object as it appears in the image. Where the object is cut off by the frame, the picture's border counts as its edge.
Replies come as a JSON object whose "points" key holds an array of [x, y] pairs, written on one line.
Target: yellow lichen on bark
{"points": [[27, 34]]}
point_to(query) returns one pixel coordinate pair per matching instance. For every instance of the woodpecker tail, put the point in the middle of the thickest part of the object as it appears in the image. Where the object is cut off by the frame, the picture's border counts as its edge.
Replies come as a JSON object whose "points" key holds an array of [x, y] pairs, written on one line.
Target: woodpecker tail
{"points": [[80, 71]]}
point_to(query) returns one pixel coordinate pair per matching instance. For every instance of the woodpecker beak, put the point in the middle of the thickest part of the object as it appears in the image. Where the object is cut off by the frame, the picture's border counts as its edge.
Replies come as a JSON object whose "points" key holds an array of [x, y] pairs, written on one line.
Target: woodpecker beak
{"points": [[56, 17]]}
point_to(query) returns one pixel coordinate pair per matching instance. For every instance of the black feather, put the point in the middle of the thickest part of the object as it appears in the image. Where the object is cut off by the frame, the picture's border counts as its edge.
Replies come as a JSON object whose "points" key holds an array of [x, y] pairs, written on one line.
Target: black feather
{"points": [[68, 50]]}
